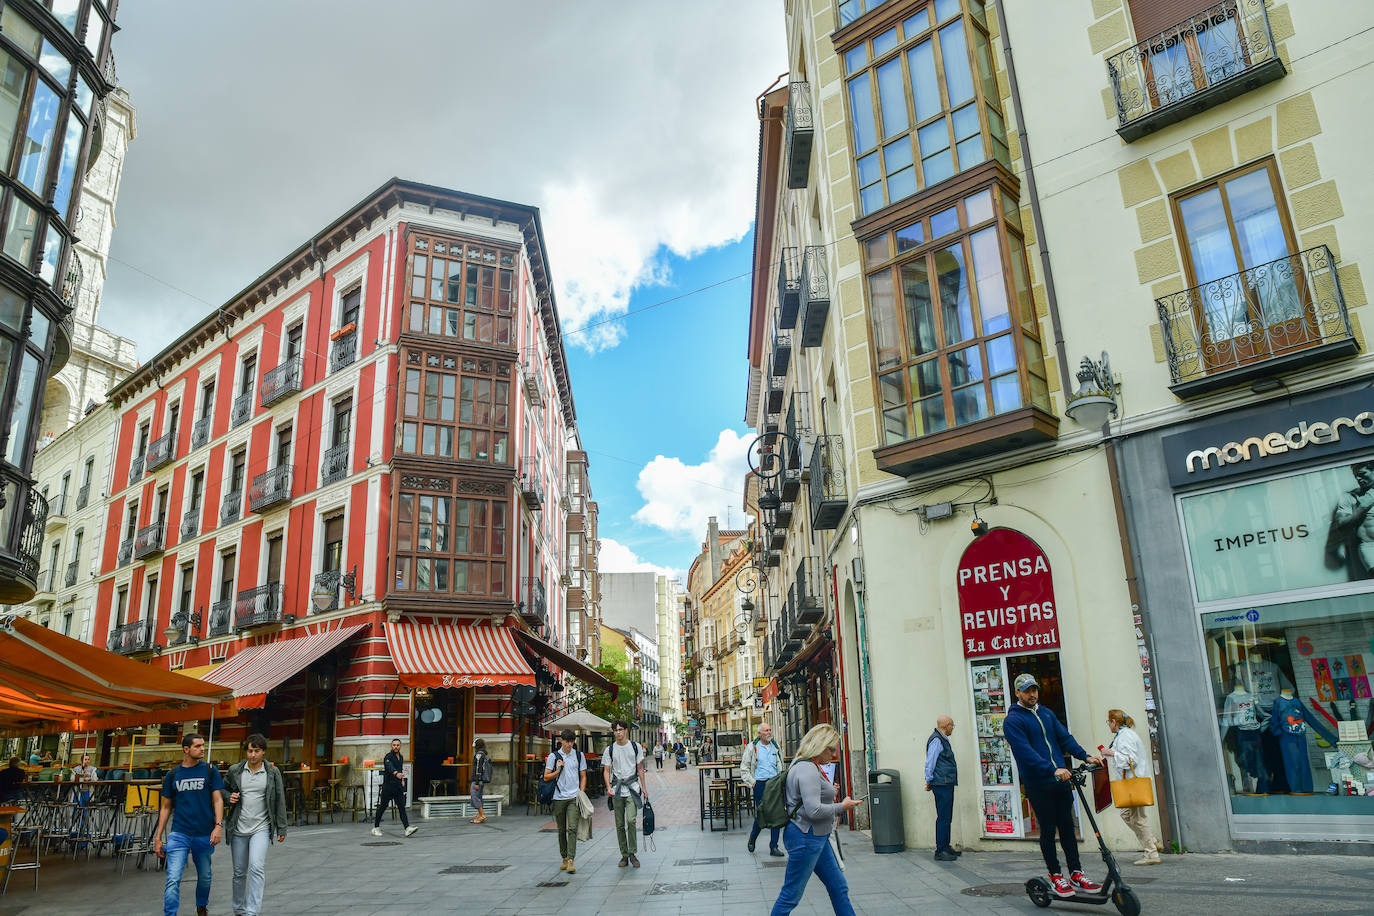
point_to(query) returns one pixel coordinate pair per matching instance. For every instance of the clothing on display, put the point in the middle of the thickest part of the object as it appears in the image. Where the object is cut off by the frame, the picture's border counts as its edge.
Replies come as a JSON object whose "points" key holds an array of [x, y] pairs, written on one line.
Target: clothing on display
{"points": [[1289, 722]]}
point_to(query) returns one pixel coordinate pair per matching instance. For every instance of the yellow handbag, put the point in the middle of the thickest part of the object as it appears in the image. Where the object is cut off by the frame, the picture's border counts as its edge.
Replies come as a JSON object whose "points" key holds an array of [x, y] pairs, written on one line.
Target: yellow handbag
{"points": [[1136, 792]]}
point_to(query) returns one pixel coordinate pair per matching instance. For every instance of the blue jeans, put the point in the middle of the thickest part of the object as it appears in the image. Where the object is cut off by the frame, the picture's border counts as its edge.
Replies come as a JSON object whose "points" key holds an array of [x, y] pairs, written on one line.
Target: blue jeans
{"points": [[754, 831], [944, 814], [807, 853], [177, 847]]}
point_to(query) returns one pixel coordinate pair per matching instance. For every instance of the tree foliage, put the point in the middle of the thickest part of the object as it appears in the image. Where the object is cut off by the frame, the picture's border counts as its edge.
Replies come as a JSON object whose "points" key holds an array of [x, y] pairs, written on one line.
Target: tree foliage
{"points": [[613, 666]]}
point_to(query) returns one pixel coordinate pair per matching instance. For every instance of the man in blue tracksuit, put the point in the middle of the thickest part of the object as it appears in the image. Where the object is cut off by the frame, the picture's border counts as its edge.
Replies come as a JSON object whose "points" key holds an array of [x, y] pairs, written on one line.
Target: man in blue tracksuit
{"points": [[1042, 747]]}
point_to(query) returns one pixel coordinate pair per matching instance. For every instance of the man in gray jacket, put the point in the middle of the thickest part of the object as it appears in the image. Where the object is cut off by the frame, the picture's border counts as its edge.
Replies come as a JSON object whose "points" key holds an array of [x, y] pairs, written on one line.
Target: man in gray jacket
{"points": [[257, 812]]}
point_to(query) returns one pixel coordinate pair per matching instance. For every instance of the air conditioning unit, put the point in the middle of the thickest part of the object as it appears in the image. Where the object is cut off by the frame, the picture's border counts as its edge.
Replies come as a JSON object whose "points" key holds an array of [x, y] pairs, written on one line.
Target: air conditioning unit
{"points": [[858, 573]]}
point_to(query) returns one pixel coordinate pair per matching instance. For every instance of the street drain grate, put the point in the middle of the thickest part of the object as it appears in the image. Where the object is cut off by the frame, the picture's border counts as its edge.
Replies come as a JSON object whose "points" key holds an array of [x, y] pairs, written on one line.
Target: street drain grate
{"points": [[383, 843], [552, 884], [548, 829], [689, 887], [774, 864], [719, 861], [472, 869]]}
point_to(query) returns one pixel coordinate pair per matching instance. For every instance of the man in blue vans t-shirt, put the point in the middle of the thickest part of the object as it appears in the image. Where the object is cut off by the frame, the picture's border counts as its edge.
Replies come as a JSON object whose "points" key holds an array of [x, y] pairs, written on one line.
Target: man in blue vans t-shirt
{"points": [[191, 797]]}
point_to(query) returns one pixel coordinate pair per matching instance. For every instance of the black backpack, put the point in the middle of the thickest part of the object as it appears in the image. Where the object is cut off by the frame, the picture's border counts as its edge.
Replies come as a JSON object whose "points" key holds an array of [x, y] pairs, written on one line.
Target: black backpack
{"points": [[549, 786], [485, 771], [772, 811]]}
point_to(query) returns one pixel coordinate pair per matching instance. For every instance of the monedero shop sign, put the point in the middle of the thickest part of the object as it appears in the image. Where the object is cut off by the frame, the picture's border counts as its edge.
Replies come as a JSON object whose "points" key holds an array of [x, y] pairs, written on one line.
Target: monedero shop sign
{"points": [[1006, 596]]}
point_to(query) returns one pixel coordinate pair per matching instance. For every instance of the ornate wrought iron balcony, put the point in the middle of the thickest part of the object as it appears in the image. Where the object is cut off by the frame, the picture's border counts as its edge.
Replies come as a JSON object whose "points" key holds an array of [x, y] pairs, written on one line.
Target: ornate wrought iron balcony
{"points": [[1269, 319], [825, 489], [46, 583], [531, 490], [533, 609], [149, 540], [782, 349], [231, 507], [789, 289], [281, 381], [221, 618], [797, 425], [160, 451], [126, 552], [815, 295], [135, 470], [791, 484], [83, 497], [73, 570], [800, 133], [784, 514], [530, 380], [773, 394], [190, 523], [200, 432], [270, 489], [343, 351], [809, 601], [258, 607], [241, 411], [335, 465], [57, 511], [777, 537], [1221, 52], [132, 638]]}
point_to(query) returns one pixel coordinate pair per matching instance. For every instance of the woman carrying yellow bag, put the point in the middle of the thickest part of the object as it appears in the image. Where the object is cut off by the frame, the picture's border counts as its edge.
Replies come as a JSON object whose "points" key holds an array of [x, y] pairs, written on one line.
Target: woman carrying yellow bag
{"points": [[1132, 791]]}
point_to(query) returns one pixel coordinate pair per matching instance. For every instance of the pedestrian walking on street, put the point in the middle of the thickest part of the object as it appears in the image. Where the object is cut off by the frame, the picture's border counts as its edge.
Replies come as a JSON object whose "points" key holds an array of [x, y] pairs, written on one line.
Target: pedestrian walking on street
{"points": [[1126, 759], [191, 799], [761, 762], [1041, 746], [481, 775], [566, 768], [807, 835], [708, 751], [942, 775], [393, 789], [256, 814], [658, 755], [622, 765]]}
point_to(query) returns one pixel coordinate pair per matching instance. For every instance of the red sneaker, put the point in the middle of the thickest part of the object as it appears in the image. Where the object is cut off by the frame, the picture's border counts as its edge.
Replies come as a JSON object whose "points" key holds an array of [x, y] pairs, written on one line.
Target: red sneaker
{"points": [[1060, 886], [1081, 882]]}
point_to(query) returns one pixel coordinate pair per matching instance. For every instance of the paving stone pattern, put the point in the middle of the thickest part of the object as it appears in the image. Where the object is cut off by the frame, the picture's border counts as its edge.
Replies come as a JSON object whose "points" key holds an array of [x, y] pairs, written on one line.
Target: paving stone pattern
{"points": [[510, 866]]}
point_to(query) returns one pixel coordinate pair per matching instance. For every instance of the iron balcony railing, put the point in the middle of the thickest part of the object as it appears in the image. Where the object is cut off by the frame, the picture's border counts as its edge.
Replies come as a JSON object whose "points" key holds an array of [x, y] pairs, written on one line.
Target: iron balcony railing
{"points": [[800, 133], [809, 603], [83, 496], [126, 552], [789, 289], [190, 523], [221, 621], [825, 489], [335, 465], [200, 431], [160, 451], [343, 351], [531, 490], [46, 583], [281, 380], [148, 541], [231, 507], [73, 570], [258, 607], [815, 295], [57, 509], [71, 285], [132, 638], [533, 607], [777, 388], [1218, 53], [135, 470], [797, 425], [531, 381], [782, 348], [241, 411], [270, 488], [784, 514], [791, 484], [1276, 316]]}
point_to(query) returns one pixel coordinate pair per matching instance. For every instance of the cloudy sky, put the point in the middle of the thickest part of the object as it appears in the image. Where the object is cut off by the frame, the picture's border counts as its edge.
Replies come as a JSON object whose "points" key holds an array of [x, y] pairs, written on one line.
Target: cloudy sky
{"points": [[631, 125]]}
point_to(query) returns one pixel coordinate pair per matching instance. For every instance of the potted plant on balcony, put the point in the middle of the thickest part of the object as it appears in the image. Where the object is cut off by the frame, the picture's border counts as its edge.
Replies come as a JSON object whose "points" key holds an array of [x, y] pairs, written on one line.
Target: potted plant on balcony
{"points": [[344, 331]]}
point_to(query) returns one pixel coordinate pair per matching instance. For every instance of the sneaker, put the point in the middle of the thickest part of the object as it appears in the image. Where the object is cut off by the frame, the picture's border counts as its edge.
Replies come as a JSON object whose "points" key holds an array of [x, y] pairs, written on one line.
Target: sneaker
{"points": [[1060, 886], [376, 831], [1081, 882], [624, 861], [634, 861], [571, 868], [1148, 858], [410, 831]]}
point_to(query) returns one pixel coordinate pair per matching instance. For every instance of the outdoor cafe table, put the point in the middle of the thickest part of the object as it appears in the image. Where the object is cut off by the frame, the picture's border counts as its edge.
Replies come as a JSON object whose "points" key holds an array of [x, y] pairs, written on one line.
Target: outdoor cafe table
{"points": [[730, 778]]}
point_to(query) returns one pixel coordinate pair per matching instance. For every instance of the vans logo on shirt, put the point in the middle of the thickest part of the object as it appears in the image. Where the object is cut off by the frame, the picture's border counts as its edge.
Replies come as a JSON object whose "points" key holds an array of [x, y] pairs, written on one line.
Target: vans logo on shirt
{"points": [[191, 784]]}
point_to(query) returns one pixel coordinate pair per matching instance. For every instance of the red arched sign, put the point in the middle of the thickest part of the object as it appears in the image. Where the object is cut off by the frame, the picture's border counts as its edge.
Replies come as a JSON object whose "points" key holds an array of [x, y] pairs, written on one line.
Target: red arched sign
{"points": [[1006, 596]]}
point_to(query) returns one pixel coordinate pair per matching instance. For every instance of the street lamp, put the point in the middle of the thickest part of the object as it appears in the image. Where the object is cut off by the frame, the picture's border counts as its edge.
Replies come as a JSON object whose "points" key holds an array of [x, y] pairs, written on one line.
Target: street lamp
{"points": [[183, 625], [326, 590], [1095, 399]]}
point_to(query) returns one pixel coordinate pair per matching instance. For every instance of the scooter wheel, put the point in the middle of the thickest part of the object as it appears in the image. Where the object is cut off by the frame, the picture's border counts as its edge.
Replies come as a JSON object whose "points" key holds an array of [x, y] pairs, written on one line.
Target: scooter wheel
{"points": [[1038, 892], [1126, 902]]}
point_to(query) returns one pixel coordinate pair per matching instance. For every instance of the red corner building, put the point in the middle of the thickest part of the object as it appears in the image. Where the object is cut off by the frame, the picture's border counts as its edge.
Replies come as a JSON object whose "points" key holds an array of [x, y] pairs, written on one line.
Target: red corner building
{"points": [[343, 493]]}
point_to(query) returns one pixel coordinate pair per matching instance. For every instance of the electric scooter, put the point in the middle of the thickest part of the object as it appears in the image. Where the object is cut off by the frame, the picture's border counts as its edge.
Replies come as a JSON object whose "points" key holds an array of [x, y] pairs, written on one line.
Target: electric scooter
{"points": [[1114, 889]]}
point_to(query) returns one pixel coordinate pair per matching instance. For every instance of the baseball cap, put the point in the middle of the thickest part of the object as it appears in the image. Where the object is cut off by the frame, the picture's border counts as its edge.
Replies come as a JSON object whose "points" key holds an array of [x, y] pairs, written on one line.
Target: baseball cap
{"points": [[1025, 681]]}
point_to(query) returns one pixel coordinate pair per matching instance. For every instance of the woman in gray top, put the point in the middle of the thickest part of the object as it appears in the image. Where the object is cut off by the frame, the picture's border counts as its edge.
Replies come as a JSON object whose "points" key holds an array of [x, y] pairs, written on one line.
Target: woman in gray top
{"points": [[812, 799]]}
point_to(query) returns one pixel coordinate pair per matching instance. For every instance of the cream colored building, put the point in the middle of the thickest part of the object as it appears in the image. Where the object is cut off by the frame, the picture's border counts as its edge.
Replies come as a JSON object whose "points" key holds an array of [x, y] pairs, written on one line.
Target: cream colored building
{"points": [[668, 608], [726, 653]]}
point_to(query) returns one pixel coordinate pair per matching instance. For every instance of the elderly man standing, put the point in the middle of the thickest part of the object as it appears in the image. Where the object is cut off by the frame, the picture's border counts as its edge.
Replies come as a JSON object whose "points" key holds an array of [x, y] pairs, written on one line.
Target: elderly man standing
{"points": [[942, 775], [761, 762]]}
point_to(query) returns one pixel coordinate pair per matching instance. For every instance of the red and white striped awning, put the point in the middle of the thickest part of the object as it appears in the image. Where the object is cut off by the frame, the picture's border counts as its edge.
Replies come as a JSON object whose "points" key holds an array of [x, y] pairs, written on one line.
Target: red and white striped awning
{"points": [[433, 655], [253, 672]]}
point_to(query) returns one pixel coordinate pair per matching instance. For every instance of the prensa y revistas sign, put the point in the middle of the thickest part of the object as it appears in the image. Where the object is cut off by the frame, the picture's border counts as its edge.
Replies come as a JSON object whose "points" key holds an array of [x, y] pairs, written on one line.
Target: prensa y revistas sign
{"points": [[1006, 596]]}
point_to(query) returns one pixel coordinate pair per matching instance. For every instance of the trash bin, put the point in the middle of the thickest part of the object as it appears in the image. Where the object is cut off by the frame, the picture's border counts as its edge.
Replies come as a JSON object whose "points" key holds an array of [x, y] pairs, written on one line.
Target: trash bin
{"points": [[885, 810]]}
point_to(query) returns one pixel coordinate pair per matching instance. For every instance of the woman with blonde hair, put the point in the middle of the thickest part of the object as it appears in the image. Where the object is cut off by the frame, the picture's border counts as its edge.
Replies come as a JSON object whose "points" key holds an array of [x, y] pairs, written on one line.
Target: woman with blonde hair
{"points": [[1126, 759], [810, 797]]}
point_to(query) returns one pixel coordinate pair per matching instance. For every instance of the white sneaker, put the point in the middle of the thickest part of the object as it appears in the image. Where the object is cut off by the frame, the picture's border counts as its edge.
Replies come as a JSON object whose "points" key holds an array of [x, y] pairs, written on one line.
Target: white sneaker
{"points": [[411, 830], [376, 831]]}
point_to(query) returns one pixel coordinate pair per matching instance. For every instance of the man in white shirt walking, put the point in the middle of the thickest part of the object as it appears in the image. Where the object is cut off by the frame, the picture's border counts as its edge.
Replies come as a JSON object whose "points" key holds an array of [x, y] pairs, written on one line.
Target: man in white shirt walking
{"points": [[622, 765]]}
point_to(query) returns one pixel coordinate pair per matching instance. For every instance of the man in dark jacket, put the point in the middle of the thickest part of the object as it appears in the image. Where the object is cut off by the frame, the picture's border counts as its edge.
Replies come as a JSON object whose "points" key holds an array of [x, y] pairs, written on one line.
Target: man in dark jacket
{"points": [[1042, 747], [942, 775], [393, 789]]}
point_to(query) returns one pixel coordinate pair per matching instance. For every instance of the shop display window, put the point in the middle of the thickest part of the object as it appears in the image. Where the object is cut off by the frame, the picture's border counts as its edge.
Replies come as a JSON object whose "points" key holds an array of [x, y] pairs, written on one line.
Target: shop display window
{"points": [[1291, 685]]}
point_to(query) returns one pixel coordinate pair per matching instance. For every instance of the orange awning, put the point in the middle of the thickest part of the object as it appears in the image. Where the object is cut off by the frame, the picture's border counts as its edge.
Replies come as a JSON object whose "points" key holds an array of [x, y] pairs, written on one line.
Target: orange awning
{"points": [[50, 682]]}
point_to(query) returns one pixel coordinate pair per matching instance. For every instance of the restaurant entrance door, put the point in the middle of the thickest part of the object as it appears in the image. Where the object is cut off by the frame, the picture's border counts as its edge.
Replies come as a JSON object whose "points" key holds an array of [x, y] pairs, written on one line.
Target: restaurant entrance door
{"points": [[442, 737]]}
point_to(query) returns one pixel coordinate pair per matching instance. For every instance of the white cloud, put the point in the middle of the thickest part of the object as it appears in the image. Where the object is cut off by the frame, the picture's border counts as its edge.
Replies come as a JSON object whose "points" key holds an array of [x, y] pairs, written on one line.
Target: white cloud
{"points": [[679, 498], [615, 557]]}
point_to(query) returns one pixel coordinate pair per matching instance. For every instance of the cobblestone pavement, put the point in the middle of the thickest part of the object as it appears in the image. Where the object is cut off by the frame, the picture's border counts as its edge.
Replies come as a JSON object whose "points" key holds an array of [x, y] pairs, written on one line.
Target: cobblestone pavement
{"points": [[510, 865]]}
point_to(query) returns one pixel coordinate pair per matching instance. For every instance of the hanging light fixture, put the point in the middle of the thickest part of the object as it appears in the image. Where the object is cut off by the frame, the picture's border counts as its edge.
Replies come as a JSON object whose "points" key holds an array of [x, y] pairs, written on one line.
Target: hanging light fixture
{"points": [[1095, 399]]}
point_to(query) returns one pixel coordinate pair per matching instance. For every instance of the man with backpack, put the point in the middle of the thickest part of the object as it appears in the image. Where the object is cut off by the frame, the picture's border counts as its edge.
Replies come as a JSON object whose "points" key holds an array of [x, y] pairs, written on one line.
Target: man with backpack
{"points": [[761, 762], [192, 801], [566, 771], [622, 765]]}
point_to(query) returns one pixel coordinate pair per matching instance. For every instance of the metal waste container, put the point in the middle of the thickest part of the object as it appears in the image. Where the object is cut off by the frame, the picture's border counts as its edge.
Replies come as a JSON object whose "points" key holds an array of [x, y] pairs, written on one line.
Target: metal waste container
{"points": [[885, 810]]}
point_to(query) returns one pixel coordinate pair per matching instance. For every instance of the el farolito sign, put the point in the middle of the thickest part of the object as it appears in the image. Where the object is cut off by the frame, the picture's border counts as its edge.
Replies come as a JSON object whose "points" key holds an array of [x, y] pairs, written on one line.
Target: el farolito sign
{"points": [[1006, 596]]}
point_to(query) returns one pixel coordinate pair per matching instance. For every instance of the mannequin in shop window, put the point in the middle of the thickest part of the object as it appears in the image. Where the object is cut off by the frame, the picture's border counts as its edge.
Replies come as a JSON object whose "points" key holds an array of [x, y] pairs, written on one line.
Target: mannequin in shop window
{"points": [[1242, 719], [1289, 723]]}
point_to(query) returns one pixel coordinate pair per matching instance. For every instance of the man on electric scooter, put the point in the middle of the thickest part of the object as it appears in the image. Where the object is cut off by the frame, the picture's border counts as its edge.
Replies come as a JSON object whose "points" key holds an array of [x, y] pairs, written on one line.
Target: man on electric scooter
{"points": [[1042, 745]]}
